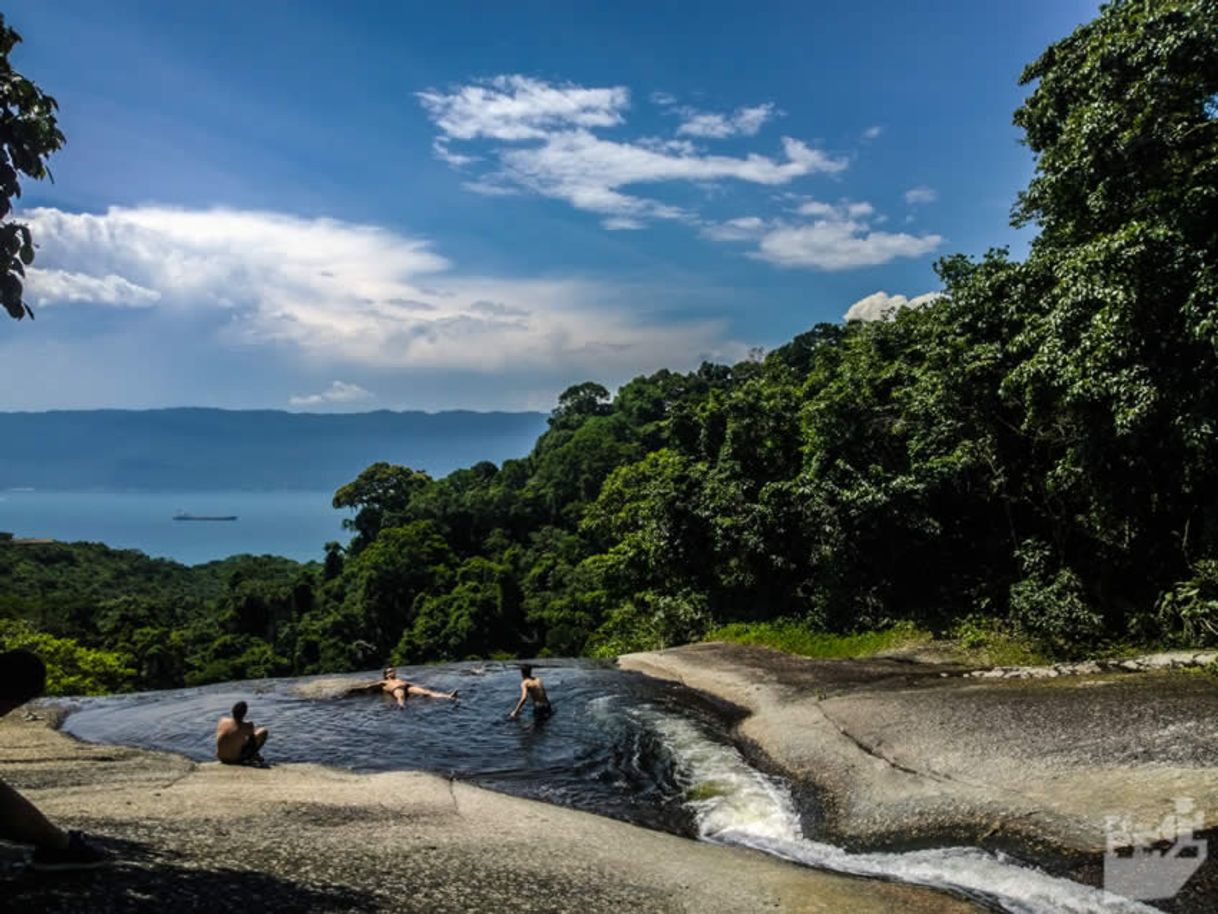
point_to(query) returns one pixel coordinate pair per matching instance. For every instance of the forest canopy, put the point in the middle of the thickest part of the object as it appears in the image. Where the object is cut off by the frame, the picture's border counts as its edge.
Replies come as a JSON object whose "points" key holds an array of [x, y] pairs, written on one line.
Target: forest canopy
{"points": [[1035, 450]]}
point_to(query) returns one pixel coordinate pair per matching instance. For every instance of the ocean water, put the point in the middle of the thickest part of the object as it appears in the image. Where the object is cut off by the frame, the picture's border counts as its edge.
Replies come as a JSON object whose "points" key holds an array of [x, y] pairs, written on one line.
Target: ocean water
{"points": [[292, 524]]}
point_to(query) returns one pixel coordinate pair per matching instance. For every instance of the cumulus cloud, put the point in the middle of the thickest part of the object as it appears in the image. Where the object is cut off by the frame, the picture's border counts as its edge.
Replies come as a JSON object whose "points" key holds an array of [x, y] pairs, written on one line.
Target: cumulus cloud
{"points": [[839, 245], [880, 306], [542, 140], [51, 287], [831, 236], [350, 294], [742, 122], [921, 194], [338, 393]]}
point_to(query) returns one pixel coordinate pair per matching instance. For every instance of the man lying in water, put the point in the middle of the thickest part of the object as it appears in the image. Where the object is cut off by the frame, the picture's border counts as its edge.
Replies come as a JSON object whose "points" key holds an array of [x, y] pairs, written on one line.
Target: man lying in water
{"points": [[238, 741], [400, 689], [531, 688]]}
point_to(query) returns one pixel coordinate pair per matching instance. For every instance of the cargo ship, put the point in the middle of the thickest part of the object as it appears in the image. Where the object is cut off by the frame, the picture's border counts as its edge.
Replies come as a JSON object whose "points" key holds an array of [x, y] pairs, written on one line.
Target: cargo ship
{"points": [[182, 515]]}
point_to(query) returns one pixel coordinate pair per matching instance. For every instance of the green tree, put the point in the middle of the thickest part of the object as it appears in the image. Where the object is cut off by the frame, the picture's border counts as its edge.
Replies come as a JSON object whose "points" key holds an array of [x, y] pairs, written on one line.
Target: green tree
{"points": [[1118, 372], [376, 495], [580, 402], [389, 576], [72, 669], [28, 135], [478, 617]]}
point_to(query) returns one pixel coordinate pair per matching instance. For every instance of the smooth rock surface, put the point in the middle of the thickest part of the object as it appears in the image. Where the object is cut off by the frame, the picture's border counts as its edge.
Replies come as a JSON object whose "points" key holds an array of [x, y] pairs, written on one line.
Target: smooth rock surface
{"points": [[901, 754], [191, 837]]}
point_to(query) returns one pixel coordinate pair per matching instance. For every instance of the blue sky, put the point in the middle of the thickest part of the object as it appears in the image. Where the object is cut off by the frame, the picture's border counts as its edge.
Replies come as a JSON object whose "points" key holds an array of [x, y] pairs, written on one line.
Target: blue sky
{"points": [[473, 205]]}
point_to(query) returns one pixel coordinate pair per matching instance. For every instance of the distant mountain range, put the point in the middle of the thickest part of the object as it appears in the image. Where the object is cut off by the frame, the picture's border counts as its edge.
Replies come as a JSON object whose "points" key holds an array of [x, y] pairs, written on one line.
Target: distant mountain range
{"points": [[207, 449]]}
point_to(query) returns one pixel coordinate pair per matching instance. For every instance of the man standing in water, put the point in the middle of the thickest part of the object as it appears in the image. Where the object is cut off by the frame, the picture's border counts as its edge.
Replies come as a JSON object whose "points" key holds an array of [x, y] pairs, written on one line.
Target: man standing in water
{"points": [[400, 689], [238, 742], [531, 688]]}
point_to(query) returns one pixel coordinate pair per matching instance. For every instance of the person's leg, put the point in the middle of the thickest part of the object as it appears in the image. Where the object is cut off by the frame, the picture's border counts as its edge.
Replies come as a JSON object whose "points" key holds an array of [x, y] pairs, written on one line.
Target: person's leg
{"points": [[431, 693], [249, 749], [260, 736], [22, 823]]}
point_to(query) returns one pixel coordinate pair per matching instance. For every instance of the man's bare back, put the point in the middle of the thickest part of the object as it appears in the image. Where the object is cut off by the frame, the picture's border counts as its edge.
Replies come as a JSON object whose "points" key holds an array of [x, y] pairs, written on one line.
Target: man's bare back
{"points": [[532, 689], [238, 741]]}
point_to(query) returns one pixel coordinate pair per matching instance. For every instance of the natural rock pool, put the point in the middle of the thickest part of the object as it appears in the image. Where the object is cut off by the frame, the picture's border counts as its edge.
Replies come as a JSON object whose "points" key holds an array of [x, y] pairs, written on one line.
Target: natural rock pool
{"points": [[619, 744]]}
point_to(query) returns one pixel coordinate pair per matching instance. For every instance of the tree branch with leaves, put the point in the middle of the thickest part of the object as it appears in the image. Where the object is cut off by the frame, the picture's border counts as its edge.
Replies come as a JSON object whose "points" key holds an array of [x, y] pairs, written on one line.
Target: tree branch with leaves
{"points": [[29, 133]]}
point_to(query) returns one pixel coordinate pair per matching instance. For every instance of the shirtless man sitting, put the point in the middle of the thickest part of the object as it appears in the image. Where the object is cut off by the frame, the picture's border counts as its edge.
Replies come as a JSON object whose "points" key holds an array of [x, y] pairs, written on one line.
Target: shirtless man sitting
{"points": [[531, 688], [400, 689], [238, 741]]}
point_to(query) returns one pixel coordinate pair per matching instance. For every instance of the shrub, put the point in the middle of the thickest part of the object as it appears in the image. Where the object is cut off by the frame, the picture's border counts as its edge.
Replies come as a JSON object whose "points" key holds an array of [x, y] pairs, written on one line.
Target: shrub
{"points": [[1187, 614], [1048, 604], [72, 668], [651, 622]]}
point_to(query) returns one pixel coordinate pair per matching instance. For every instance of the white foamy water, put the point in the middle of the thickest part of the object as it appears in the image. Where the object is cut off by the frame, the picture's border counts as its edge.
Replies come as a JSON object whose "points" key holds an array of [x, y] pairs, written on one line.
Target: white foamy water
{"points": [[736, 804]]}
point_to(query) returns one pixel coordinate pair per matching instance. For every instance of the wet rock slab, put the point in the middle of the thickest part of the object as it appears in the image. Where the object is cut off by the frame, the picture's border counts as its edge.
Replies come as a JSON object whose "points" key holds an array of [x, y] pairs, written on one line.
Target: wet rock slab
{"points": [[907, 754], [190, 837]]}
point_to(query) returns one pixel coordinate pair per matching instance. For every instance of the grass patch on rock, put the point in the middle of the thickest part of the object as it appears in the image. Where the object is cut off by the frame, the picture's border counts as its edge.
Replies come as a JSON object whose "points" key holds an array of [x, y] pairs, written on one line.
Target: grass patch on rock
{"points": [[796, 637]]}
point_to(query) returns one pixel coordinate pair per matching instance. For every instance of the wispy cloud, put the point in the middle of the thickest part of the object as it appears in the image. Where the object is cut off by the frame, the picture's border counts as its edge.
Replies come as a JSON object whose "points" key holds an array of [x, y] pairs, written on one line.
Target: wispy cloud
{"points": [[880, 306], [542, 140], [744, 228], [741, 122], [350, 294], [916, 196], [520, 108], [337, 394], [872, 133], [830, 236]]}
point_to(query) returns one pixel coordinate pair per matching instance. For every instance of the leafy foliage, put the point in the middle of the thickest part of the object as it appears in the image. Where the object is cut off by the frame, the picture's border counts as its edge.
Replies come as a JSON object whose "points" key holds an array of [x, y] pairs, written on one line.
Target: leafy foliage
{"points": [[1030, 461], [71, 668], [28, 134]]}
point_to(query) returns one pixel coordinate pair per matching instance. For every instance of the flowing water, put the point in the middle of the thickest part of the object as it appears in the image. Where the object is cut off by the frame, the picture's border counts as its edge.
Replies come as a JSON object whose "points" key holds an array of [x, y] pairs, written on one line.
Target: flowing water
{"points": [[619, 744]]}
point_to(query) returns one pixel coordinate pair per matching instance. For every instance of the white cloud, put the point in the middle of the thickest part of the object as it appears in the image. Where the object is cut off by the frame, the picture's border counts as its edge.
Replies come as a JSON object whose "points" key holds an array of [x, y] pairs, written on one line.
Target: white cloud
{"points": [[839, 237], [622, 223], [921, 194], [880, 306], [543, 141], [447, 156], [589, 172], [339, 392], [541, 138], [815, 208], [742, 122], [872, 133], [839, 245], [51, 287], [744, 228], [520, 108], [353, 295]]}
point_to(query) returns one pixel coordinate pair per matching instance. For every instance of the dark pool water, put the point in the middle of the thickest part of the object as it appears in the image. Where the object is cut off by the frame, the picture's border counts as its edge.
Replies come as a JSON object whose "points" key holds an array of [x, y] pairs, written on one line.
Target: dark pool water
{"points": [[619, 744], [596, 753]]}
